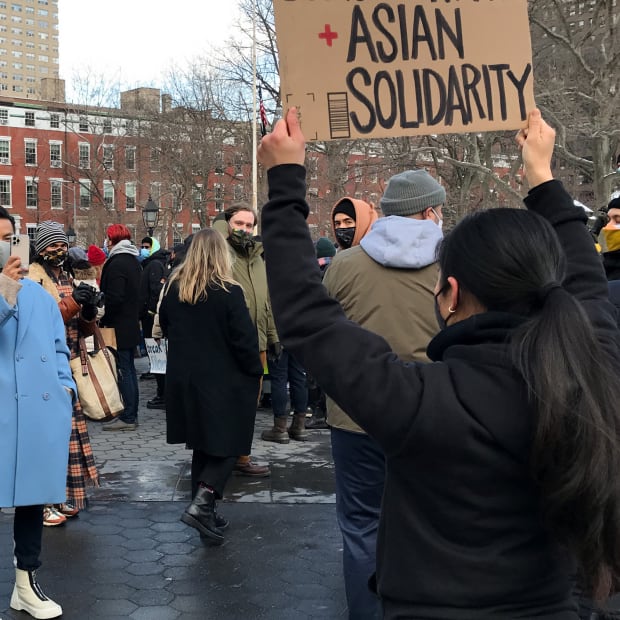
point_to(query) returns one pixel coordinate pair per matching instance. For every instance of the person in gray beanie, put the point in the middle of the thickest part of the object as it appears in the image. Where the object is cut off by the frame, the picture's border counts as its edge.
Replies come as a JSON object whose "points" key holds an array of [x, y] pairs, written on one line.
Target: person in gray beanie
{"points": [[412, 192]]}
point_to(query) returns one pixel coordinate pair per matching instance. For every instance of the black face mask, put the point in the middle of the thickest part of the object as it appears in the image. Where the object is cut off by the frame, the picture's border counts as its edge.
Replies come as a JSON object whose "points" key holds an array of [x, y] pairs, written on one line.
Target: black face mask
{"points": [[440, 320], [345, 237]]}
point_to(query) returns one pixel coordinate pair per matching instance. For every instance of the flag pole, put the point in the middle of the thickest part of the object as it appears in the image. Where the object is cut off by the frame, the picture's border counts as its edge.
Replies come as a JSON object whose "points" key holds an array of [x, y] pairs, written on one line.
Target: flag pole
{"points": [[254, 125]]}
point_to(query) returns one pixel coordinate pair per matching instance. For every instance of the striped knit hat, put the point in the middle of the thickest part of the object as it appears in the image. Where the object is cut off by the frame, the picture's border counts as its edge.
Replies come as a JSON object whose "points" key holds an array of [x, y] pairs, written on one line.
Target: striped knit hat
{"points": [[49, 232]]}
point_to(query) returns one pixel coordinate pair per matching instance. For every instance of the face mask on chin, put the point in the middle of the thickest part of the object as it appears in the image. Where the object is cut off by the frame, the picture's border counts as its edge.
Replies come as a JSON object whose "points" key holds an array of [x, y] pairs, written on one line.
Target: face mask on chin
{"points": [[345, 237], [55, 258]]}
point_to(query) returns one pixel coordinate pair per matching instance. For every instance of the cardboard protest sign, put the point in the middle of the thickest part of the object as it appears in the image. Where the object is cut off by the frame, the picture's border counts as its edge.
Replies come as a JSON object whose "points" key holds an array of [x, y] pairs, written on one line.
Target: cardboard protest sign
{"points": [[372, 68], [157, 355]]}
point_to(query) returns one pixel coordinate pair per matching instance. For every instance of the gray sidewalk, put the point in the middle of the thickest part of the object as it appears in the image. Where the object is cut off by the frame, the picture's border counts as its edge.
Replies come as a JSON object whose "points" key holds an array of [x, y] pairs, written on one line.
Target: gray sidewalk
{"points": [[129, 556]]}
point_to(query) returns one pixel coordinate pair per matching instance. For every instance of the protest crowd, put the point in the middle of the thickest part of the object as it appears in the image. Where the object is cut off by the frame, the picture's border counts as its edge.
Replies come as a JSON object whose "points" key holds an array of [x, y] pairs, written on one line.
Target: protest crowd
{"points": [[436, 488]]}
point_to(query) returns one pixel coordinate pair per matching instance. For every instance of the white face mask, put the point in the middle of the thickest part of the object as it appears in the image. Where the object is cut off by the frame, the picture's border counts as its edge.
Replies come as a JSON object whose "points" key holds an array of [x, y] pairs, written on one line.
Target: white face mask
{"points": [[439, 220]]}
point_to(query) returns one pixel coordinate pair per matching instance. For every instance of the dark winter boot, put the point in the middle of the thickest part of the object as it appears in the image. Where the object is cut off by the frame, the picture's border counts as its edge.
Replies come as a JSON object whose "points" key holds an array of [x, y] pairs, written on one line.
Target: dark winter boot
{"points": [[278, 433], [200, 514], [28, 596], [298, 431], [318, 420]]}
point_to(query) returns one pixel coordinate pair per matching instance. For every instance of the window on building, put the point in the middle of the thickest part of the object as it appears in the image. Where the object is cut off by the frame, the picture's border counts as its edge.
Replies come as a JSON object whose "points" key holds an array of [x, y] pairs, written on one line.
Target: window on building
{"points": [[197, 198], [55, 154], [5, 192], [155, 191], [238, 165], [83, 123], [55, 121], [32, 193], [313, 168], [130, 196], [84, 155], [5, 151], [31, 152], [31, 231], [107, 125], [85, 194], [155, 160], [219, 162], [238, 192], [108, 156], [175, 192], [177, 234], [108, 194], [29, 119], [4, 117], [56, 194], [218, 195], [130, 157]]}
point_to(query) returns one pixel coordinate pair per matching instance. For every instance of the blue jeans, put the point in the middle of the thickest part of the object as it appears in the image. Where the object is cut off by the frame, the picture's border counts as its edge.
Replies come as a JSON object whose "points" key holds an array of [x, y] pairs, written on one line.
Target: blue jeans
{"points": [[287, 368], [128, 385], [360, 475]]}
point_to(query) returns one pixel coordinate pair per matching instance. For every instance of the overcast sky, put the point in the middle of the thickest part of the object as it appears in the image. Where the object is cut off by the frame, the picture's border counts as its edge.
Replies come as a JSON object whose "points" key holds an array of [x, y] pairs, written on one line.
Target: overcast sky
{"points": [[133, 42]]}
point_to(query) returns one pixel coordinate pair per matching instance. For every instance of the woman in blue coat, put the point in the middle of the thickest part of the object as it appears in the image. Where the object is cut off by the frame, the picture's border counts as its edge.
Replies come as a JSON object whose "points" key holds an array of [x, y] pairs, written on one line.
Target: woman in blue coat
{"points": [[35, 419]]}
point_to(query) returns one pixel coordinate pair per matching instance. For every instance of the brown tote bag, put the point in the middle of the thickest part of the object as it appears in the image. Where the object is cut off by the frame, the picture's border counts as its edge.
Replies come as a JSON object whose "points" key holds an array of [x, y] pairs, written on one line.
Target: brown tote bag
{"points": [[97, 383]]}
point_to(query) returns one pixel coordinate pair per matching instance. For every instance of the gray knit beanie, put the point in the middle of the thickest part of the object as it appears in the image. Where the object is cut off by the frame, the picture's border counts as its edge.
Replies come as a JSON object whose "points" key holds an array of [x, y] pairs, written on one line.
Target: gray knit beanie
{"points": [[49, 232], [411, 192]]}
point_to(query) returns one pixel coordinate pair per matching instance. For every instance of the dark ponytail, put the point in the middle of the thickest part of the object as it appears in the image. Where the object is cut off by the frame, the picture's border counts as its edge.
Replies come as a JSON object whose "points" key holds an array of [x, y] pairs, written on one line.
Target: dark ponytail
{"points": [[511, 260]]}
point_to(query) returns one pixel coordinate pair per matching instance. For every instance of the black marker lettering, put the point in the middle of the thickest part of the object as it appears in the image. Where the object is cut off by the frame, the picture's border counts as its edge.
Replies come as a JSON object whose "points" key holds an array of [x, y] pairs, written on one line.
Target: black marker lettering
{"points": [[440, 105], [372, 118], [387, 122], [404, 39], [358, 21], [499, 72], [470, 90], [456, 35], [421, 32], [520, 86], [383, 55], [402, 102], [455, 99], [487, 88]]}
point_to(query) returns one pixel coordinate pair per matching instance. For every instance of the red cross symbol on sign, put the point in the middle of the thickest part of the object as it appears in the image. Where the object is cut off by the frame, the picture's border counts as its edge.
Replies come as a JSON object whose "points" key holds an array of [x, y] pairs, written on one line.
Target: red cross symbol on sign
{"points": [[328, 35]]}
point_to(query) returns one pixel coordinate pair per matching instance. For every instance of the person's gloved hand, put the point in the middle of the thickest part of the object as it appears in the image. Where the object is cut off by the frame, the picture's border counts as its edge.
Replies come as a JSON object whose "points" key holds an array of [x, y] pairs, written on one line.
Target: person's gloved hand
{"points": [[274, 352], [84, 294]]}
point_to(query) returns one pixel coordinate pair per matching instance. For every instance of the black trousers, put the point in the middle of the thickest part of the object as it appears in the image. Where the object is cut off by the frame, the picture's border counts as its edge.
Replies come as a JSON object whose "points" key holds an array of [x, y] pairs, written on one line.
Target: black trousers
{"points": [[214, 471], [27, 533]]}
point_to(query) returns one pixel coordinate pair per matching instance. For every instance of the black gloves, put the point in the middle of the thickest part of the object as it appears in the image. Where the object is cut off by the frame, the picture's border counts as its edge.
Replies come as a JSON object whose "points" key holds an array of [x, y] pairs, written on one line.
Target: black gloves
{"points": [[87, 295], [83, 294], [274, 352]]}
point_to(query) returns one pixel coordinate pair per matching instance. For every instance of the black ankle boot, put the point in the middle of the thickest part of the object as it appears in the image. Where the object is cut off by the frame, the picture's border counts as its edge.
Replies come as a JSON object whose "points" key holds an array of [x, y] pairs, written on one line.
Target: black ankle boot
{"points": [[200, 514]]}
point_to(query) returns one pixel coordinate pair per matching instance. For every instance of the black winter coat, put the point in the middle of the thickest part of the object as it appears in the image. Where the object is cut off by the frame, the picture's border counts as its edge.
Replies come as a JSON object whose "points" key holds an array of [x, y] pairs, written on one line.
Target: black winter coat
{"points": [[154, 274], [120, 283], [461, 533], [213, 372], [611, 261], [614, 296]]}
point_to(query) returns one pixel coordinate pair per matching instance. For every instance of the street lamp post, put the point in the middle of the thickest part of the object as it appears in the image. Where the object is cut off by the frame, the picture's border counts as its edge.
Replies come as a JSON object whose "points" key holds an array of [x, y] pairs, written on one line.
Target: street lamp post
{"points": [[71, 235], [150, 215]]}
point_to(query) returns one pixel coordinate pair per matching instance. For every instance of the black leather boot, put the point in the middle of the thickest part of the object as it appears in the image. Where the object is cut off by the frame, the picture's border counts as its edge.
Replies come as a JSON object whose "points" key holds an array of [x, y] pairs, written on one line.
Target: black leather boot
{"points": [[200, 514]]}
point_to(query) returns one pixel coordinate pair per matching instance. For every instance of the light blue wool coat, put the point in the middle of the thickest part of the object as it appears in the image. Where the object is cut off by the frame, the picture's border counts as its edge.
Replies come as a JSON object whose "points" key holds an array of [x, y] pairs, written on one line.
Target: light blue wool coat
{"points": [[35, 407]]}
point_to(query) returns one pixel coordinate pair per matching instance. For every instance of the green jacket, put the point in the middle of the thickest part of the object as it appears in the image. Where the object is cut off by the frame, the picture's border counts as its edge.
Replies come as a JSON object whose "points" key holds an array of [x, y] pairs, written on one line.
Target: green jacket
{"points": [[249, 271]]}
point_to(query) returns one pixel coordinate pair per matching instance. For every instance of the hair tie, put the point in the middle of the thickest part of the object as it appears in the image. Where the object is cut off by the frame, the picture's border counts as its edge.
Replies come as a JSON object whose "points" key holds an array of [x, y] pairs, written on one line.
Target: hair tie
{"points": [[546, 290]]}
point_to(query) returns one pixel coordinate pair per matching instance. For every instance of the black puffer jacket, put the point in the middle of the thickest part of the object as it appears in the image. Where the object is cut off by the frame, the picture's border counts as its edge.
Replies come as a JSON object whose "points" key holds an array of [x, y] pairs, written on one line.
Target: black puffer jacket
{"points": [[461, 532]]}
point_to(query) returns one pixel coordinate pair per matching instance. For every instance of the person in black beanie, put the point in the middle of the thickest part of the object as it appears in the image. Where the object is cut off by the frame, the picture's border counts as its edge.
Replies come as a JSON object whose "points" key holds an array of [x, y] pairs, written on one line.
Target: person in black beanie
{"points": [[351, 220]]}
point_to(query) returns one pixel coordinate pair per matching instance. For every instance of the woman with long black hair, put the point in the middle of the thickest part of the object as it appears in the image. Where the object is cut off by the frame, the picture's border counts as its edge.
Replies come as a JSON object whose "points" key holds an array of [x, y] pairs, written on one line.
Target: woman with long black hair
{"points": [[502, 455]]}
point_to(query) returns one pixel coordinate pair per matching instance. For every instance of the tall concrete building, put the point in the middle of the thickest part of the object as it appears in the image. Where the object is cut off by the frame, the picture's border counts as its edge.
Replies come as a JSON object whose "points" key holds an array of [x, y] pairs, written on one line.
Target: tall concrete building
{"points": [[28, 46]]}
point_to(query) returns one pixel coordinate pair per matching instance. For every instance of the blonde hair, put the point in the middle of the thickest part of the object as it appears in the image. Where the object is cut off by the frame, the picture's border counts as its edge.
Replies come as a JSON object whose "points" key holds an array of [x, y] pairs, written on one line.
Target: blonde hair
{"points": [[208, 264]]}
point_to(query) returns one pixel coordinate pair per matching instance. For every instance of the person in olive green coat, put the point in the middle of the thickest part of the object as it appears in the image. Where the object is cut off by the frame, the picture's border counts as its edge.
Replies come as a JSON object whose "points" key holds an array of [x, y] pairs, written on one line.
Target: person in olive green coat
{"points": [[237, 226]]}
